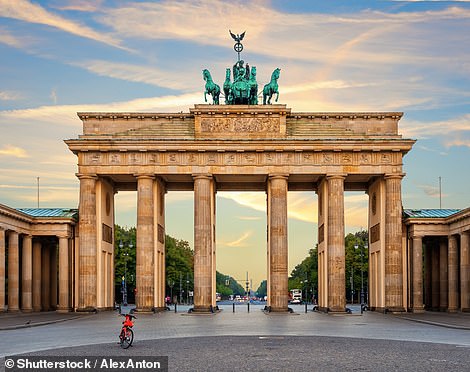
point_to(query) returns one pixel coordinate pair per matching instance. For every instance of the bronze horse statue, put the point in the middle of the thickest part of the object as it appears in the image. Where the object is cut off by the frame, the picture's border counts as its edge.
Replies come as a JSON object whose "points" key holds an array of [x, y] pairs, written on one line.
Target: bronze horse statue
{"points": [[272, 87], [211, 88]]}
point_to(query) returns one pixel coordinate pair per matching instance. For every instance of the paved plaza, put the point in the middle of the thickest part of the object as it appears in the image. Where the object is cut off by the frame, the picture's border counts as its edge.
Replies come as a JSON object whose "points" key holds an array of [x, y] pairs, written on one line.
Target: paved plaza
{"points": [[229, 341]]}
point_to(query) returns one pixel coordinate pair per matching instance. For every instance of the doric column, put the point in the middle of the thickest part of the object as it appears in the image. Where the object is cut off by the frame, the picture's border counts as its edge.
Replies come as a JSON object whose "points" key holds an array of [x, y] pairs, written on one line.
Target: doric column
{"points": [[277, 199], [393, 244], [435, 292], [336, 253], [2, 270], [418, 305], [37, 275], [53, 278], [45, 277], [87, 244], [443, 284], [464, 272], [159, 220], [27, 274], [64, 305], [453, 274], [427, 276], [13, 272], [203, 240], [145, 244]]}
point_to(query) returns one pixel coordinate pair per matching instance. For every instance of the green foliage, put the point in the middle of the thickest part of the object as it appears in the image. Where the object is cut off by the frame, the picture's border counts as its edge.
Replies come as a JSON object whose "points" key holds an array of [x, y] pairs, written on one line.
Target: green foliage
{"points": [[125, 256], [305, 275], [354, 263], [227, 285], [262, 289], [179, 262]]}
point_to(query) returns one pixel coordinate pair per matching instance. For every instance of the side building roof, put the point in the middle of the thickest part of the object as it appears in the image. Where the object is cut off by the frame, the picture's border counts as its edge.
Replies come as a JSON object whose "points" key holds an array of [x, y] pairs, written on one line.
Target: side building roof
{"points": [[429, 213], [50, 212]]}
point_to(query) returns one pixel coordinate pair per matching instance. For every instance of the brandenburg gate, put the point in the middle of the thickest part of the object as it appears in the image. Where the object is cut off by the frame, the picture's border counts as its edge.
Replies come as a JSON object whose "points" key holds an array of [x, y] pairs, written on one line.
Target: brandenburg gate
{"points": [[240, 147]]}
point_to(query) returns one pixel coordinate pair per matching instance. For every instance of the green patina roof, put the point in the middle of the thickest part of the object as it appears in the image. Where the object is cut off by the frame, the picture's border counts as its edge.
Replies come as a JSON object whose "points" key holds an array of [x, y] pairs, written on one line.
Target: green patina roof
{"points": [[50, 212], [429, 213]]}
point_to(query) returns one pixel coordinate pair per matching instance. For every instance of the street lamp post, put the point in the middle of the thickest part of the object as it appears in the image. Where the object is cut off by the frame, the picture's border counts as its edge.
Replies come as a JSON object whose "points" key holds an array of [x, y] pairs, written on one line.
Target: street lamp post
{"points": [[124, 280]]}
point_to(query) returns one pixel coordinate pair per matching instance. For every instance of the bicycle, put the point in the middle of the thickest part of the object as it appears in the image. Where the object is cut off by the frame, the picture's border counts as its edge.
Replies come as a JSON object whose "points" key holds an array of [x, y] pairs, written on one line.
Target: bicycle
{"points": [[127, 335]]}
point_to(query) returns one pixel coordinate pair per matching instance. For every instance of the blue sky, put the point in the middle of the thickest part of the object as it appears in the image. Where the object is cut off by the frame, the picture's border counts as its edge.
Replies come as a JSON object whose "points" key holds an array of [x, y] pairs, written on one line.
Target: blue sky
{"points": [[59, 57]]}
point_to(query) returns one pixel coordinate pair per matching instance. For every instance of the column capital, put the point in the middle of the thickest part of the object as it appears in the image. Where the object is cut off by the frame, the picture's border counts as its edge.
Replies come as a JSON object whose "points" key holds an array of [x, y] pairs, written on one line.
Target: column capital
{"points": [[148, 176], [84, 176], [333, 176], [394, 175], [278, 175], [202, 176]]}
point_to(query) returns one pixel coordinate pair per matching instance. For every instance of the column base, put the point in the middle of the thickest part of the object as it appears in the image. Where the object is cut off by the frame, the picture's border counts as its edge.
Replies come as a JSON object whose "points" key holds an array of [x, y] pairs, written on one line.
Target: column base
{"points": [[394, 310], [86, 310], [27, 310], [465, 310], [16, 310], [453, 310], [160, 309], [63, 310], [144, 310], [338, 310], [204, 309], [418, 310]]}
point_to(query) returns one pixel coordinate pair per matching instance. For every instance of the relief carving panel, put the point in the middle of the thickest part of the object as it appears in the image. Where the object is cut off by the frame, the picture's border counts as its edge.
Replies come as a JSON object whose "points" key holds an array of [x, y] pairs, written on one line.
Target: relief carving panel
{"points": [[250, 125]]}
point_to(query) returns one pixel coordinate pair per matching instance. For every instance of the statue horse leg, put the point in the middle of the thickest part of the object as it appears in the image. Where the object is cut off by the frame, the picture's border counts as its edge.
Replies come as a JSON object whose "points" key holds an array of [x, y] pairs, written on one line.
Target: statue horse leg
{"points": [[277, 95]]}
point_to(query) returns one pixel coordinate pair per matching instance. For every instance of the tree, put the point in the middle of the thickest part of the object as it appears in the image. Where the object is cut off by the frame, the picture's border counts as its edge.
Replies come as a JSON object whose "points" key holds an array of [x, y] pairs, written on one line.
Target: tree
{"points": [[305, 275], [262, 289], [354, 263], [227, 285]]}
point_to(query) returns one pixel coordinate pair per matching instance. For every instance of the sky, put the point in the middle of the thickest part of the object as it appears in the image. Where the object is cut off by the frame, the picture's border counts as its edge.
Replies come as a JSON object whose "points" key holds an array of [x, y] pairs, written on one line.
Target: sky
{"points": [[59, 57]]}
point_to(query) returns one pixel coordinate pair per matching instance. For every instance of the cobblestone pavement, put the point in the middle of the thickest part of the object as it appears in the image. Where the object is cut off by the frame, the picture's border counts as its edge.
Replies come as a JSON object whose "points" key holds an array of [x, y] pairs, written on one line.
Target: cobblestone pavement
{"points": [[253, 340]]}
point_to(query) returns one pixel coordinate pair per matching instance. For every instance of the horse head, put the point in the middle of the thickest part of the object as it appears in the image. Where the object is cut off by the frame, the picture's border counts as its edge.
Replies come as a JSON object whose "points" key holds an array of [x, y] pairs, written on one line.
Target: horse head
{"points": [[206, 74], [253, 72], [227, 73], [275, 74]]}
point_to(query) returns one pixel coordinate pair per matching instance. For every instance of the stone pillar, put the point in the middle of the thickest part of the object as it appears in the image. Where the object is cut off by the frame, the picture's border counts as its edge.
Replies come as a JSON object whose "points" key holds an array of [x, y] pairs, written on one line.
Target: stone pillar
{"points": [[427, 276], [87, 265], [2, 270], [277, 199], [45, 278], [53, 278], [64, 305], [159, 219], [435, 292], [443, 283], [145, 244], [393, 244], [27, 274], [37, 276], [203, 211], [453, 274], [13, 272], [336, 253], [418, 305], [464, 272]]}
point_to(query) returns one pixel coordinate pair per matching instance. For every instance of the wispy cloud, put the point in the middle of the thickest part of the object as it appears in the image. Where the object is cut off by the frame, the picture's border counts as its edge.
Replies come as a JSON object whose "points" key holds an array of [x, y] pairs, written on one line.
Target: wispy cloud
{"points": [[53, 96], [240, 242], [141, 74], [445, 129], [34, 13], [14, 151], [78, 5], [9, 39], [249, 218], [9, 96]]}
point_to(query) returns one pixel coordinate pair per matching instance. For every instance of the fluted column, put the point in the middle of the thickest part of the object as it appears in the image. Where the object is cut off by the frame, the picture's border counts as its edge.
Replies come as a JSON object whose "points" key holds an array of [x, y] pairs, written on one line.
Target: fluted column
{"points": [[443, 283], [53, 278], [336, 253], [453, 274], [13, 272], [277, 199], [393, 244], [435, 291], [203, 239], [464, 272], [64, 305], [145, 243], [87, 264], [27, 274], [2, 270], [37, 276], [418, 305], [45, 278]]}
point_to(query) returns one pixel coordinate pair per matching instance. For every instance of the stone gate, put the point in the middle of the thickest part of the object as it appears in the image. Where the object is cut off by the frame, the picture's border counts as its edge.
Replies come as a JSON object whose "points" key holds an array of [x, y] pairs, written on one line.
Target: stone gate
{"points": [[237, 147]]}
